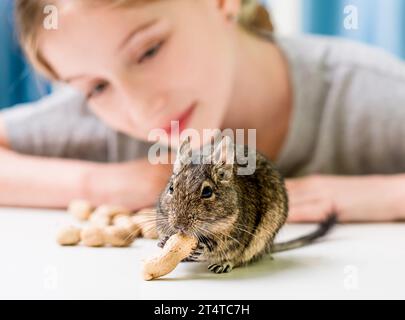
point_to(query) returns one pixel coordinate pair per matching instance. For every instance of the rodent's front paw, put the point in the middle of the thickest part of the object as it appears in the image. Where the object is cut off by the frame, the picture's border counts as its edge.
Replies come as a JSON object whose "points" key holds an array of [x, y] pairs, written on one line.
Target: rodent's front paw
{"points": [[196, 253], [223, 267], [163, 241]]}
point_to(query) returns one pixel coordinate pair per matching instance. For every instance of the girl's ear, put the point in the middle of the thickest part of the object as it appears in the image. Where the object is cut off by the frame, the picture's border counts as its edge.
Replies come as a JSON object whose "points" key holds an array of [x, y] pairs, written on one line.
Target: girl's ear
{"points": [[230, 8]]}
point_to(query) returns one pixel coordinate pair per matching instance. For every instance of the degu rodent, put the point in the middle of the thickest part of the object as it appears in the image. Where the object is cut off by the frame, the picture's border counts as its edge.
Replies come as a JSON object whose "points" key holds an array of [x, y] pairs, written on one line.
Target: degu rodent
{"points": [[234, 217]]}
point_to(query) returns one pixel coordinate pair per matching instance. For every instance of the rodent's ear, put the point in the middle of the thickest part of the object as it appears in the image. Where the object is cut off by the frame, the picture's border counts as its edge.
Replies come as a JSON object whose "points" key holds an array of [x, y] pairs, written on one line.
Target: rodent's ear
{"points": [[223, 159], [184, 153], [224, 152], [223, 174]]}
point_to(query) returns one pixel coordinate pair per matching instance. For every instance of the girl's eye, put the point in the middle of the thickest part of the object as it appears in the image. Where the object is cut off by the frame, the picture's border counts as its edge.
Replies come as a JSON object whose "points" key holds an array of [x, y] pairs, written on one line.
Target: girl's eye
{"points": [[98, 89], [171, 189], [151, 52], [206, 192]]}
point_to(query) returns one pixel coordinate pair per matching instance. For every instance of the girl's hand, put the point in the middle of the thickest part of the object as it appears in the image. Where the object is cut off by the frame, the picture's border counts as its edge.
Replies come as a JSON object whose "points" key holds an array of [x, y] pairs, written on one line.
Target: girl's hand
{"points": [[135, 184], [353, 199]]}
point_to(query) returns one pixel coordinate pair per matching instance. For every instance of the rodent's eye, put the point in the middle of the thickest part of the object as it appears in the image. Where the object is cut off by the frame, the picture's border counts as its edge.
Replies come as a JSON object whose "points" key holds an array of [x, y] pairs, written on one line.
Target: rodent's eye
{"points": [[171, 189], [206, 192]]}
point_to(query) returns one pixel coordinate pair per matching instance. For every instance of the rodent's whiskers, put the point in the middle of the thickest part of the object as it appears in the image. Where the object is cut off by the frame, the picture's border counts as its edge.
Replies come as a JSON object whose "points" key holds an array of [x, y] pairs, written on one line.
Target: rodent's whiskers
{"points": [[254, 235], [149, 223], [196, 234], [222, 252], [144, 212], [164, 225], [227, 235], [216, 238], [244, 230]]}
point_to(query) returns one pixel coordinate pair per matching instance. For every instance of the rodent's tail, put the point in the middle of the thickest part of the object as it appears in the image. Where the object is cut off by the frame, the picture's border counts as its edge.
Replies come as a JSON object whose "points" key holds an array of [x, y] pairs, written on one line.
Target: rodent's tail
{"points": [[323, 229]]}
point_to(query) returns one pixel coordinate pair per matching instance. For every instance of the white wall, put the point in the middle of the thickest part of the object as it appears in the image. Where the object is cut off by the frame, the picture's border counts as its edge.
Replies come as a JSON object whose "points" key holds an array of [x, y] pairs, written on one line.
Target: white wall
{"points": [[286, 15]]}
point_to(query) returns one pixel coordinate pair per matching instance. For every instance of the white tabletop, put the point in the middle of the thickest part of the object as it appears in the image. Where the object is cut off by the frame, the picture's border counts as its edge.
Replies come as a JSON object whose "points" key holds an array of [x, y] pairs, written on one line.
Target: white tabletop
{"points": [[355, 261]]}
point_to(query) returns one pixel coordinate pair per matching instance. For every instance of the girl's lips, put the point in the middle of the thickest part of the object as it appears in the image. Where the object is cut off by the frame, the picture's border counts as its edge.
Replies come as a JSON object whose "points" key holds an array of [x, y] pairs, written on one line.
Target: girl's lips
{"points": [[182, 120]]}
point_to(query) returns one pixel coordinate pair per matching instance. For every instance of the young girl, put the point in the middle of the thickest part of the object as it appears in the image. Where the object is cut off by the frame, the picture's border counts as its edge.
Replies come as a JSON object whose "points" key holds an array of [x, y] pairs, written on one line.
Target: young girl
{"points": [[328, 112]]}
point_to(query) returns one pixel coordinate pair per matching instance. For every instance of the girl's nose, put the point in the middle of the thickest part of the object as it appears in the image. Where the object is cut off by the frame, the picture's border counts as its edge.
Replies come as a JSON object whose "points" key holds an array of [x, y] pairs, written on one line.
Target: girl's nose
{"points": [[146, 100], [158, 104], [147, 107]]}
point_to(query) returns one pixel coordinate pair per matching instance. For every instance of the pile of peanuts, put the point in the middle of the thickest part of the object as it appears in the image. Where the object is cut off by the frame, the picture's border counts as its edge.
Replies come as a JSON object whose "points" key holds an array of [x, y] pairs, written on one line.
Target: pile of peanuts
{"points": [[107, 225], [119, 227]]}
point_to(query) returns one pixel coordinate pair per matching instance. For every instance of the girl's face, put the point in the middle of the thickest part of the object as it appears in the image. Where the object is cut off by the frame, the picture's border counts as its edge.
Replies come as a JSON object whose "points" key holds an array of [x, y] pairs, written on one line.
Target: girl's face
{"points": [[145, 65]]}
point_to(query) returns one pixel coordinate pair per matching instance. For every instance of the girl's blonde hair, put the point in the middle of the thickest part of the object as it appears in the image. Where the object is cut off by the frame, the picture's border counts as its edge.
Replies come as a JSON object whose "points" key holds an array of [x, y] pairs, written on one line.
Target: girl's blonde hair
{"points": [[29, 17]]}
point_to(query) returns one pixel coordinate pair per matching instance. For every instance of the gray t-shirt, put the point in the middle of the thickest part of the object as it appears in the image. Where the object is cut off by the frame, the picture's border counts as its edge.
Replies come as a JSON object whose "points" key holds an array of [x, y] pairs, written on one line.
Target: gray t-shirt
{"points": [[348, 115], [349, 109]]}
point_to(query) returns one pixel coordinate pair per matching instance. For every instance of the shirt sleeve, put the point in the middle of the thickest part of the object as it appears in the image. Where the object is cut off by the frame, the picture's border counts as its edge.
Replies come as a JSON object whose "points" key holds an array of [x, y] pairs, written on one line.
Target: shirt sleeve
{"points": [[374, 113], [62, 126]]}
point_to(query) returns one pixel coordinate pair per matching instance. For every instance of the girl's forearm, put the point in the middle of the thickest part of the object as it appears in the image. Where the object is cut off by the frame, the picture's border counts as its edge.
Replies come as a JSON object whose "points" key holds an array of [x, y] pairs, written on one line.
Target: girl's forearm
{"points": [[40, 182], [398, 192], [135, 184], [29, 181], [370, 198]]}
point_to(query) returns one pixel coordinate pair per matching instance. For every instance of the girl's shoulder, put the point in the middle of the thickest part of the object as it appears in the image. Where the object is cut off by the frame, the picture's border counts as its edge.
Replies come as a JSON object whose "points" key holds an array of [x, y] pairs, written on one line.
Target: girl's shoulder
{"points": [[347, 97], [333, 53]]}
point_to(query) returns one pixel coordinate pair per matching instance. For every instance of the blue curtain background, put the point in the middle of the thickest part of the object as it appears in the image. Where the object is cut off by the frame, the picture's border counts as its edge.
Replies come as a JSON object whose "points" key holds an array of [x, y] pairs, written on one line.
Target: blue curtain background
{"points": [[381, 22], [18, 83]]}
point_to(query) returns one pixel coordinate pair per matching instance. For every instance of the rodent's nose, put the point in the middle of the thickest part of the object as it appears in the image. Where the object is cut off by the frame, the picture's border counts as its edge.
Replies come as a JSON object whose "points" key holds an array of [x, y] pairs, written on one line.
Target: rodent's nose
{"points": [[181, 228]]}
